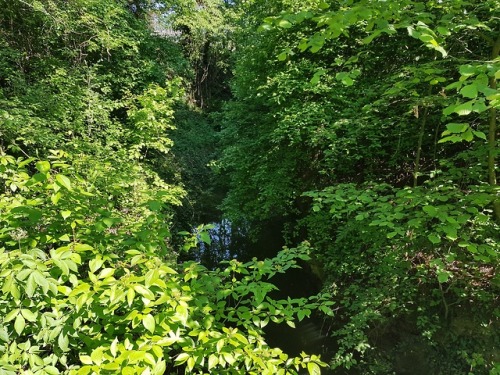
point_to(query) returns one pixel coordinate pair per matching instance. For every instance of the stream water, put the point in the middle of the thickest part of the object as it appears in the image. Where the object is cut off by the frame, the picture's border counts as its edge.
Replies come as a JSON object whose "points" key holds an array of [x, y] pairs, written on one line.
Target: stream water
{"points": [[311, 334]]}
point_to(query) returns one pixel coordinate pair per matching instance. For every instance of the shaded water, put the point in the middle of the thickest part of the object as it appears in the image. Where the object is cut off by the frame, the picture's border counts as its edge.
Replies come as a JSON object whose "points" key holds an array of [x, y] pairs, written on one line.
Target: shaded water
{"points": [[311, 334]]}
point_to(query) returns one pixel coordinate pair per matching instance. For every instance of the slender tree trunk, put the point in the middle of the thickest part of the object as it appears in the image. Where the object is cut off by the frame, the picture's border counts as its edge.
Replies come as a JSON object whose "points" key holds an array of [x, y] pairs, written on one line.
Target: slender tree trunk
{"points": [[416, 171], [492, 136]]}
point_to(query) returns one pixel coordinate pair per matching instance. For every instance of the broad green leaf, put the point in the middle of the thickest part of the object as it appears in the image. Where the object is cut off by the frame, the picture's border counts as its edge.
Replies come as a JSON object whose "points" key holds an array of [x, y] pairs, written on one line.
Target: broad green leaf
{"points": [[284, 24], [51, 370], [430, 210], [65, 214], [11, 315], [468, 135], [434, 238], [348, 81], [205, 237], [144, 291], [313, 368], [282, 56], [43, 166], [130, 296], [480, 134], [28, 315], [463, 109], [106, 272], [443, 30], [449, 110], [30, 286], [467, 70], [4, 335], [96, 263], [82, 247], [113, 348], [97, 355], [63, 342], [443, 276], [456, 128], [19, 324], [182, 313], [469, 91], [479, 106], [181, 358], [391, 234], [85, 359], [159, 368], [149, 323], [55, 197], [213, 360], [63, 181], [451, 138]]}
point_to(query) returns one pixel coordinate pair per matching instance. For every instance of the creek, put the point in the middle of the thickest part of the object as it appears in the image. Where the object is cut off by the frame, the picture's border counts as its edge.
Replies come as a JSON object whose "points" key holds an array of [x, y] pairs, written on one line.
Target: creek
{"points": [[311, 334]]}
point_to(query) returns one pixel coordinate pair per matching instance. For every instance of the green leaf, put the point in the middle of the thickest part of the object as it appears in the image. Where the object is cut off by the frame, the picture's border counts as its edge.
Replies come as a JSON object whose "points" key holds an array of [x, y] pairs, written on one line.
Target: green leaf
{"points": [[213, 360], [430, 210], [284, 24], [479, 134], [290, 323], [63, 342], [282, 56], [105, 273], [19, 324], [469, 91], [313, 368], [443, 30], [455, 128], [65, 214], [51, 370], [181, 358], [205, 237], [443, 276], [468, 135], [85, 359], [43, 166], [451, 138], [149, 323], [28, 315], [30, 286], [63, 181], [434, 239], [55, 197], [144, 291], [348, 81], [11, 315], [464, 109], [4, 335], [449, 110], [467, 70]]}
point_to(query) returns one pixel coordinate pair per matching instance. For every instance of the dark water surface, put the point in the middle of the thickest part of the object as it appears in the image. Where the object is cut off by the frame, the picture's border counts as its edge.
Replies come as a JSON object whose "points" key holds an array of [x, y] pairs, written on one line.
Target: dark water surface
{"points": [[311, 334]]}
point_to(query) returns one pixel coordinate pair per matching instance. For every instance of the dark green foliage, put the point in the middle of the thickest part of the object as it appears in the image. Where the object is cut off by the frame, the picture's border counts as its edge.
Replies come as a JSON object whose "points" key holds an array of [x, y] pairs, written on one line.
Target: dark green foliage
{"points": [[351, 104], [368, 129]]}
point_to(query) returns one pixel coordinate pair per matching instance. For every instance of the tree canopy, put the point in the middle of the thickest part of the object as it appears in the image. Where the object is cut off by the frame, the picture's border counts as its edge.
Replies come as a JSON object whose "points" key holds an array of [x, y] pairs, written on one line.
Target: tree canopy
{"points": [[366, 131]]}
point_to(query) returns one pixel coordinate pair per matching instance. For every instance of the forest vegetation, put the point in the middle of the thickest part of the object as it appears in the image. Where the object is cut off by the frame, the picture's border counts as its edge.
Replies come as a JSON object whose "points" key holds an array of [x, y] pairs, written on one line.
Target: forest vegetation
{"points": [[362, 134]]}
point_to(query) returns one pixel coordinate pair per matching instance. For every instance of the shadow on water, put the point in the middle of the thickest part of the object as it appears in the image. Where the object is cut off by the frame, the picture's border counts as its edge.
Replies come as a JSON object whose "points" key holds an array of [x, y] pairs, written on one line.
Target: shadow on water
{"points": [[311, 334]]}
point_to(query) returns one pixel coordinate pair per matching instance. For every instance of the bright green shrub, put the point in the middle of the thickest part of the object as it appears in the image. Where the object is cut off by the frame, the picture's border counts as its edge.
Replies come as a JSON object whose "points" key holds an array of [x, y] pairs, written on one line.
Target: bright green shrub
{"points": [[91, 288]]}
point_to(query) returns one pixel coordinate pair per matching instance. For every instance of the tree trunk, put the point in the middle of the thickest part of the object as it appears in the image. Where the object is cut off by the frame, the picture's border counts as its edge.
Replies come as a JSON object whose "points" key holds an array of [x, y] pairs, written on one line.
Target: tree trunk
{"points": [[492, 178]]}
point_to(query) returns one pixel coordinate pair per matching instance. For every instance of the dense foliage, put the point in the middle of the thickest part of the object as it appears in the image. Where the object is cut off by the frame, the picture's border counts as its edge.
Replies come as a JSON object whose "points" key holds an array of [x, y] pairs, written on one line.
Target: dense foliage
{"points": [[89, 187], [383, 116], [366, 130]]}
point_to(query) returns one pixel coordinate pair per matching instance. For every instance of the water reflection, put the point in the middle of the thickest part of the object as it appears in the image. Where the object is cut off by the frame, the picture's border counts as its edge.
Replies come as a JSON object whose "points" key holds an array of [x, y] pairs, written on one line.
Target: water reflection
{"points": [[225, 242], [228, 242]]}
